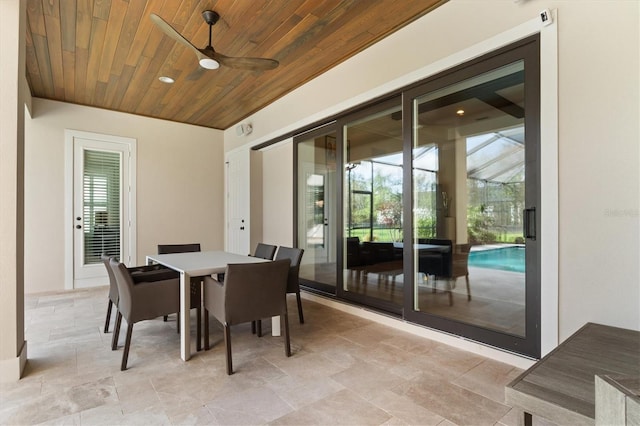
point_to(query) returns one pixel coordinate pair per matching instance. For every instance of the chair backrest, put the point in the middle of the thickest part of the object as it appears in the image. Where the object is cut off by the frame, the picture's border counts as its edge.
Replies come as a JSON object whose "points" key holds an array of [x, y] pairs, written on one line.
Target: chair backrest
{"points": [[265, 251], [178, 248], [295, 256], [353, 251], [255, 290], [460, 263], [447, 256], [158, 294], [125, 284], [113, 286]]}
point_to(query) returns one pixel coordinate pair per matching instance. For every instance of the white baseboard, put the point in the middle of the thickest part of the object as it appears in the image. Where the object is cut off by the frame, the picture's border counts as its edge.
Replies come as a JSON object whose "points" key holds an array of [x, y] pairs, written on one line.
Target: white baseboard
{"points": [[11, 369], [447, 339]]}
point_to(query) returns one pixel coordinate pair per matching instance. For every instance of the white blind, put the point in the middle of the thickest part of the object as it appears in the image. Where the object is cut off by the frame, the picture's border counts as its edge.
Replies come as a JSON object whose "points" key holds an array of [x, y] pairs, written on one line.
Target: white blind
{"points": [[101, 205]]}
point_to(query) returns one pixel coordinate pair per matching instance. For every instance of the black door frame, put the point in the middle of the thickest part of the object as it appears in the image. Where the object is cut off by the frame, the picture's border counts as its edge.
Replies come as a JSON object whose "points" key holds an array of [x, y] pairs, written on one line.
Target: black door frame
{"points": [[528, 50]]}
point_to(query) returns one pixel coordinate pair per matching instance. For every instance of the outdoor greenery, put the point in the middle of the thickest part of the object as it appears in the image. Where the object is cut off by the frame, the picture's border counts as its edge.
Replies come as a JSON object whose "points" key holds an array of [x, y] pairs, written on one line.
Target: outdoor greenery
{"points": [[494, 212]]}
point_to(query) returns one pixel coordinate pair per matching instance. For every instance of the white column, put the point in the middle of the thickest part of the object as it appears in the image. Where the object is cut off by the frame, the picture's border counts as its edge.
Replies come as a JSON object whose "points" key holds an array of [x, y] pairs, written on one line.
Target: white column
{"points": [[13, 348]]}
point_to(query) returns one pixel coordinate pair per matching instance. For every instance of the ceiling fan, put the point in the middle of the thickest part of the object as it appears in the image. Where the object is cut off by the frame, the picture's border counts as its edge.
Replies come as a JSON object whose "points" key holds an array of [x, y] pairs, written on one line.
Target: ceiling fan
{"points": [[208, 57]]}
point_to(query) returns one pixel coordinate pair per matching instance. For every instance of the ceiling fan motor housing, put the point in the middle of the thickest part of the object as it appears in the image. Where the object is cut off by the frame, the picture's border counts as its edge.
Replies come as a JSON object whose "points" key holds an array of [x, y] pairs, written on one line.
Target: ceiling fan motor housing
{"points": [[210, 17]]}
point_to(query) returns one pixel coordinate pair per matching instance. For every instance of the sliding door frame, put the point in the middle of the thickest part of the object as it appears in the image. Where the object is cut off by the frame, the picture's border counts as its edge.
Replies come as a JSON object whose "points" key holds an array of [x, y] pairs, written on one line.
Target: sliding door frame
{"points": [[527, 50], [530, 345]]}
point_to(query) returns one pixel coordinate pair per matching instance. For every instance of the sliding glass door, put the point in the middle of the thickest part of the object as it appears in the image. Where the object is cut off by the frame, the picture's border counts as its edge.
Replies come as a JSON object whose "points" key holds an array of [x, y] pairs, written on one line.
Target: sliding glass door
{"points": [[316, 211], [424, 204], [474, 185], [372, 265]]}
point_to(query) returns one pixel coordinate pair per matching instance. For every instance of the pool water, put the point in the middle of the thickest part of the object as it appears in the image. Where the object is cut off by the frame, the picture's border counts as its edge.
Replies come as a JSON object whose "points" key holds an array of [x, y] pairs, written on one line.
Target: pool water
{"points": [[505, 259]]}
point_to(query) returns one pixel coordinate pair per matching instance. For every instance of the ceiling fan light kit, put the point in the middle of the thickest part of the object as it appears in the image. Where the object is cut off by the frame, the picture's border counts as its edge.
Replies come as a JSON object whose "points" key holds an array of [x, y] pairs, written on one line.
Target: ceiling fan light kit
{"points": [[208, 57], [208, 63]]}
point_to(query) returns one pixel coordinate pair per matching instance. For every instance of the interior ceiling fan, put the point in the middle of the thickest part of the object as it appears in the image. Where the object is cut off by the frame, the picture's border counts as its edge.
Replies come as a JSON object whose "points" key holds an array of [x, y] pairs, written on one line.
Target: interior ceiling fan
{"points": [[208, 57]]}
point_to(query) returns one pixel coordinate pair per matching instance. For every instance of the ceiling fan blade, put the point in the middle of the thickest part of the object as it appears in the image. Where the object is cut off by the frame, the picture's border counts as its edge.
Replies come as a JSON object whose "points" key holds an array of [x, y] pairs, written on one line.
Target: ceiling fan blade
{"points": [[174, 34], [252, 64]]}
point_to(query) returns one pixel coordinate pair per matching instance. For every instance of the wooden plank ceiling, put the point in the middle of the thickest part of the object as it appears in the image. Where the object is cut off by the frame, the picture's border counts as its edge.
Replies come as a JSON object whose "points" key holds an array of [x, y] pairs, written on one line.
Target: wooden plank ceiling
{"points": [[108, 53]]}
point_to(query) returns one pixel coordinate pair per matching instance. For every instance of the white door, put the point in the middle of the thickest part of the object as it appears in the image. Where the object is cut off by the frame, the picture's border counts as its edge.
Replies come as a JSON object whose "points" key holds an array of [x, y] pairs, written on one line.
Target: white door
{"points": [[238, 202], [102, 199]]}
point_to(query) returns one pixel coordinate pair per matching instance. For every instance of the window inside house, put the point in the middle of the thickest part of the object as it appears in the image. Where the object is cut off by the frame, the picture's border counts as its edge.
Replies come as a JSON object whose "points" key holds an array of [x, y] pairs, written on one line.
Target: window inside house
{"points": [[101, 205]]}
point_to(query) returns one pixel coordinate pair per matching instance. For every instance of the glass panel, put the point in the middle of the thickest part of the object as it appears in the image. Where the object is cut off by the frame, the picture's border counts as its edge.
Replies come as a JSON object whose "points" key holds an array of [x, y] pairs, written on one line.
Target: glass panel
{"points": [[372, 214], [101, 205], [317, 208], [468, 198]]}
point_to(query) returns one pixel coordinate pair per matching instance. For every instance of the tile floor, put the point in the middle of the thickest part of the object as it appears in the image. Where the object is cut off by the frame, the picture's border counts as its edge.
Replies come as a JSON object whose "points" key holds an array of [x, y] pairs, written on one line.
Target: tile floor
{"points": [[345, 370]]}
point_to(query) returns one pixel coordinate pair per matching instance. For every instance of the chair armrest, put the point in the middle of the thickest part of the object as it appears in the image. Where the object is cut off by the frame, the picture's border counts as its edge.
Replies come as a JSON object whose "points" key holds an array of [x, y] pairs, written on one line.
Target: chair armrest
{"points": [[214, 298]]}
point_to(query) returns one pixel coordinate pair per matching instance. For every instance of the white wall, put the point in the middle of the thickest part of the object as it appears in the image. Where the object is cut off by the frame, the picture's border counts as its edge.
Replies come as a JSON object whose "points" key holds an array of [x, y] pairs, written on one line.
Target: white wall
{"points": [[597, 247], [277, 190], [13, 95], [179, 184]]}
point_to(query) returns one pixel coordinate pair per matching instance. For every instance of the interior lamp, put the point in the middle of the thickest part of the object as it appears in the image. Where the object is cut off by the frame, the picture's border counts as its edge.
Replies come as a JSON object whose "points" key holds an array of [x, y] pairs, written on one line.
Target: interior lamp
{"points": [[210, 64]]}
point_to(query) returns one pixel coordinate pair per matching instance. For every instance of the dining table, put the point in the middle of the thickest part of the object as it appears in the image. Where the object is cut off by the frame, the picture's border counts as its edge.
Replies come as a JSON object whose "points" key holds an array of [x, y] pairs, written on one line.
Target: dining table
{"points": [[198, 264]]}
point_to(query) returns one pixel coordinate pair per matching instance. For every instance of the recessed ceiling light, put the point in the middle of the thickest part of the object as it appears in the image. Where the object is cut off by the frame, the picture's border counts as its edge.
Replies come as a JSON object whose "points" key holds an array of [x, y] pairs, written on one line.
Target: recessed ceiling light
{"points": [[165, 79], [460, 112]]}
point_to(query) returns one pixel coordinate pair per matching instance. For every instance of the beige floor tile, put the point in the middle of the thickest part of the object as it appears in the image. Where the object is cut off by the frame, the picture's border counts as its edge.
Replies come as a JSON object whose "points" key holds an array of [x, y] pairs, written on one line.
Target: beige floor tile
{"points": [[200, 416], [344, 370], [341, 408], [367, 380], [254, 406], [404, 410], [454, 403], [299, 392], [488, 379]]}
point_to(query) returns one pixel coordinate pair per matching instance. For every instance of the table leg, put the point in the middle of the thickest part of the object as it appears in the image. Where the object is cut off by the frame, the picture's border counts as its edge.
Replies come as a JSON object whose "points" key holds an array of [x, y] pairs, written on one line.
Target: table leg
{"points": [[185, 311], [524, 418], [275, 326]]}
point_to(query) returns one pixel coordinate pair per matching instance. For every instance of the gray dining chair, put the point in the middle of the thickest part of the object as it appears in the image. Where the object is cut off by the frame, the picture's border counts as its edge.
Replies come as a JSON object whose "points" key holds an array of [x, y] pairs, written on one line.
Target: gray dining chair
{"points": [[136, 271], [265, 251], [142, 301], [196, 286], [113, 291], [293, 280], [460, 265], [250, 291]]}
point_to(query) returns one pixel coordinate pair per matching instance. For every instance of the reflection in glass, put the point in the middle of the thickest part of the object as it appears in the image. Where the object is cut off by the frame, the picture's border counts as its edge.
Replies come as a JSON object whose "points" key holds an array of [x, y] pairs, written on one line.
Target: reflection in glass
{"points": [[468, 197], [317, 208], [372, 214]]}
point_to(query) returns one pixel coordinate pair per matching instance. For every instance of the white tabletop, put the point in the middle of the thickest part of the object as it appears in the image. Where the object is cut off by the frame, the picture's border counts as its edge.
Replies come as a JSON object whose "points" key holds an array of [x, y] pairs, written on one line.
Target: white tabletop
{"points": [[197, 264], [201, 263]]}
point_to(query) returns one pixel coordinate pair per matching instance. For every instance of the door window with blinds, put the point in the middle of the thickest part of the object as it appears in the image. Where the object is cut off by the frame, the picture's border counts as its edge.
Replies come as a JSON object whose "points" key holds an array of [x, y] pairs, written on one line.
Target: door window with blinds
{"points": [[101, 209], [101, 213]]}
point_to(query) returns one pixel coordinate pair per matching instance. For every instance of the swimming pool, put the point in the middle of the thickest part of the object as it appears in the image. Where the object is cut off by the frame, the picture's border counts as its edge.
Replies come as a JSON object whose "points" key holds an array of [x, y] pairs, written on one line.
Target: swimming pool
{"points": [[504, 258]]}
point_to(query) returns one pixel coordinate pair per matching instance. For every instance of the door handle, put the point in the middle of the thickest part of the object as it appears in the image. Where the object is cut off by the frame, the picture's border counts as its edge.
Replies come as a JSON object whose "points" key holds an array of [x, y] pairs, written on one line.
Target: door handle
{"points": [[529, 223]]}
